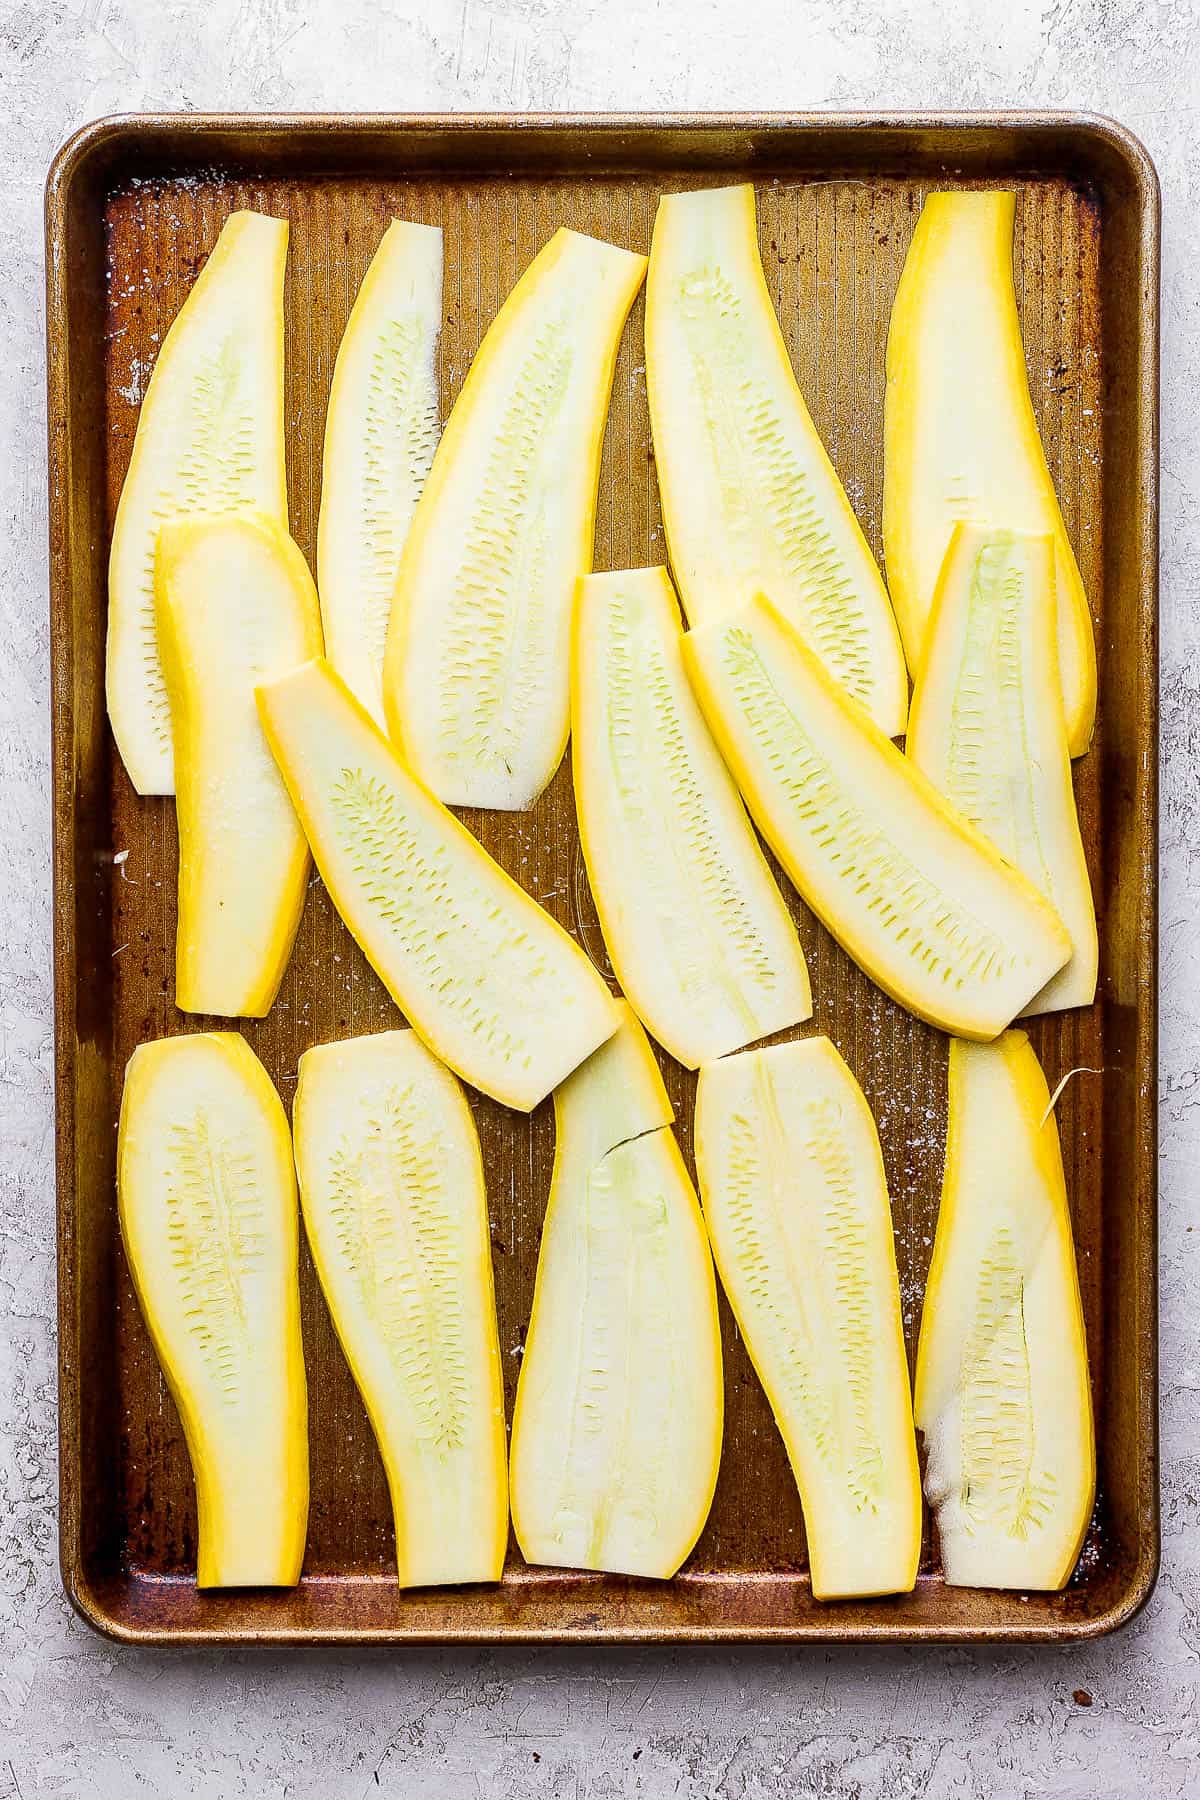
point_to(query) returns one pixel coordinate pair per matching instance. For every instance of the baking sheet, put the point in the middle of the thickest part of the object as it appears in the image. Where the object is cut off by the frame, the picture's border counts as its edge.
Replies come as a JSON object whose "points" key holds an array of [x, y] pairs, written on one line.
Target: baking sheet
{"points": [[133, 208]]}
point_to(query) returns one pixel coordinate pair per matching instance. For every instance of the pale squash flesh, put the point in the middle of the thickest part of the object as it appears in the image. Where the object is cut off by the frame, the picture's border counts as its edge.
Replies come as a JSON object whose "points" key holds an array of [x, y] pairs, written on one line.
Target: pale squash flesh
{"points": [[750, 499], [493, 985], [987, 728], [391, 1185], [476, 684], [207, 1199], [796, 1203], [1002, 1393], [909, 889], [209, 440], [960, 438], [696, 929], [380, 435], [234, 603], [617, 1427]]}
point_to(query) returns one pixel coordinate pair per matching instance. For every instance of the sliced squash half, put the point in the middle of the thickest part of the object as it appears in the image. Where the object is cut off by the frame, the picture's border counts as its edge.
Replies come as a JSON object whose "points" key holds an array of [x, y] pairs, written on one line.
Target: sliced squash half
{"points": [[494, 986], [796, 1203], [617, 1427], [235, 603], [960, 437], [750, 499], [209, 439], [696, 929], [380, 435], [923, 903], [987, 728], [476, 681], [391, 1184], [207, 1199], [1002, 1393]]}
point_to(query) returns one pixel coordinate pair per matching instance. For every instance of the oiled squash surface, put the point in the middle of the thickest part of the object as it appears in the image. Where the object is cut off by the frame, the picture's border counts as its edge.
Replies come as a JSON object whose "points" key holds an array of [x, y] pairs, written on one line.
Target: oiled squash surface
{"points": [[207, 1197], [394, 1205], [617, 1427], [696, 929], [796, 1204], [1002, 1393]]}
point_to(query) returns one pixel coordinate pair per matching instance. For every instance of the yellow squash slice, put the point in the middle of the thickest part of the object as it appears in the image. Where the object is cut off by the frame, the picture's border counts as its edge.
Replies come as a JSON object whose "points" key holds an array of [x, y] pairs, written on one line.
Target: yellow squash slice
{"points": [[235, 604], [1002, 1392], [476, 676], [987, 728], [209, 439], [380, 435], [796, 1202], [494, 986], [960, 438], [909, 889], [750, 499], [617, 1428], [697, 931], [391, 1184], [207, 1199]]}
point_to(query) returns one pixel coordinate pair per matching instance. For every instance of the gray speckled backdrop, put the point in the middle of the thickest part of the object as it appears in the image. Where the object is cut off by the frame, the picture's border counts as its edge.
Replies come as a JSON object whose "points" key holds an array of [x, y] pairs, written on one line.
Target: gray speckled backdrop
{"points": [[80, 1717]]}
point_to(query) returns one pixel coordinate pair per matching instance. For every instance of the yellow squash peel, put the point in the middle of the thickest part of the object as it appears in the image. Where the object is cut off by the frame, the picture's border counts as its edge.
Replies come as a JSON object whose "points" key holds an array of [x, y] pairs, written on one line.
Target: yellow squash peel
{"points": [[207, 1199], [750, 498], [987, 728], [391, 1184], [495, 987], [209, 439], [1002, 1392], [234, 603], [923, 903], [696, 929], [380, 435], [617, 1427], [796, 1203], [960, 437], [476, 684]]}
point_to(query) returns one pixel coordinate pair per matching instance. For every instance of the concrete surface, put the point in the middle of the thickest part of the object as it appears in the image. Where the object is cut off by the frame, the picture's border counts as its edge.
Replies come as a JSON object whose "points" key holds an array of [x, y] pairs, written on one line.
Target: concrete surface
{"points": [[78, 1717]]}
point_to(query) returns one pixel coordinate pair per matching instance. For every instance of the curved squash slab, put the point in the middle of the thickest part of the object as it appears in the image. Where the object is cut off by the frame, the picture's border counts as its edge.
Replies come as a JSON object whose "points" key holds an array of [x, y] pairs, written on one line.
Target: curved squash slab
{"points": [[235, 603], [391, 1184], [960, 438], [207, 1199], [750, 499], [617, 1427], [209, 439], [796, 1203], [912, 892], [1002, 1392], [696, 929], [380, 435], [492, 984], [987, 728], [476, 681]]}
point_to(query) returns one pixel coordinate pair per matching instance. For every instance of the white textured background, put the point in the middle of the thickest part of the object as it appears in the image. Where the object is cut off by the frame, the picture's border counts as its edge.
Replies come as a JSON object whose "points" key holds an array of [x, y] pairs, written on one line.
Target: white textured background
{"points": [[80, 1717]]}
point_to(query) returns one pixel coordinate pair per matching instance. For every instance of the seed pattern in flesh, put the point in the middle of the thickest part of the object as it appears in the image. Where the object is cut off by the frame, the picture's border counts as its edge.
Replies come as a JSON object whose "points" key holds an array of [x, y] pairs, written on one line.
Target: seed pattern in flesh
{"points": [[626, 1346], [989, 757], [708, 930], [845, 1277], [399, 1240], [216, 1233], [217, 472], [399, 438], [999, 1489], [770, 515], [495, 636], [758, 1173], [469, 953], [933, 930]]}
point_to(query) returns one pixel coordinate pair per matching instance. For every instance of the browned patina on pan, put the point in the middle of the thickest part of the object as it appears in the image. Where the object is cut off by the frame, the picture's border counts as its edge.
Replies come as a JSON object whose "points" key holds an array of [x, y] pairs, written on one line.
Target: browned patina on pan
{"points": [[133, 207]]}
